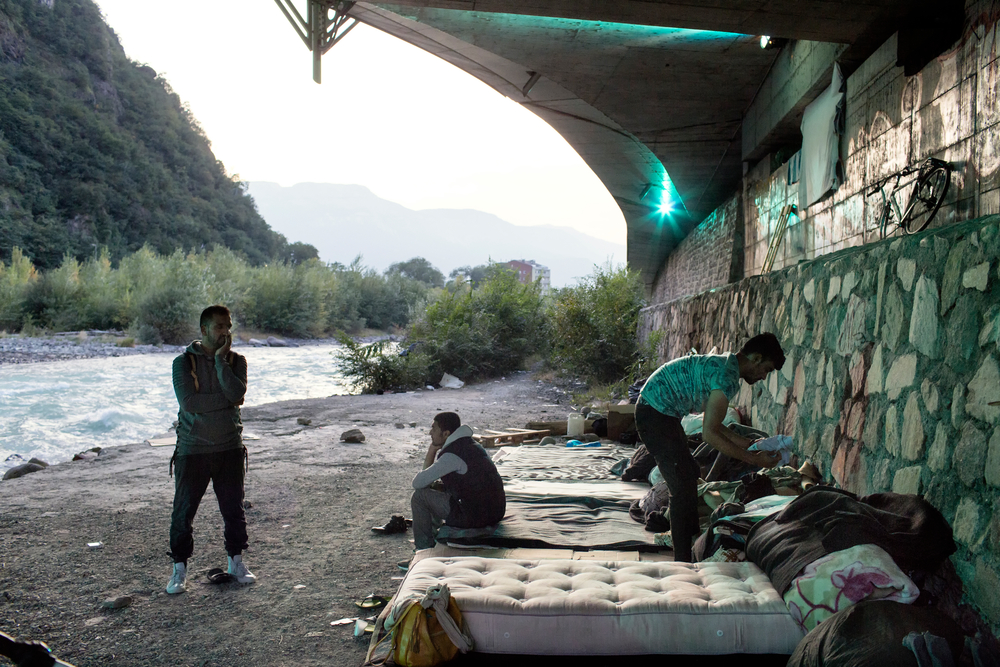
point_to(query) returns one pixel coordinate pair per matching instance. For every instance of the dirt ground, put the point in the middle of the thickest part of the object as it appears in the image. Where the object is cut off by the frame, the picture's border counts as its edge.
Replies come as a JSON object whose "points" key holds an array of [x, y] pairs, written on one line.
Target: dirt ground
{"points": [[313, 501]]}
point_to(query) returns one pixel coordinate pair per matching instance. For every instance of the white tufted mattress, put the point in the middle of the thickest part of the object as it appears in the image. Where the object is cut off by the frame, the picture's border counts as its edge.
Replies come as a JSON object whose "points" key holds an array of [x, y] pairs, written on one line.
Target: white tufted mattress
{"points": [[576, 607]]}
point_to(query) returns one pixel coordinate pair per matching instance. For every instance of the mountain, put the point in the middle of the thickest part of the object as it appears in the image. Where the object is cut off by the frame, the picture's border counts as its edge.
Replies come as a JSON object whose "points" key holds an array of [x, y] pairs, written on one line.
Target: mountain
{"points": [[343, 221], [96, 150]]}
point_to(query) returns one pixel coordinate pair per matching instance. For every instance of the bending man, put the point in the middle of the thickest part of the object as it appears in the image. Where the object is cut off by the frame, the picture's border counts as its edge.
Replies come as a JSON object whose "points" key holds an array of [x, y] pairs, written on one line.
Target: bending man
{"points": [[699, 383], [210, 381], [473, 494]]}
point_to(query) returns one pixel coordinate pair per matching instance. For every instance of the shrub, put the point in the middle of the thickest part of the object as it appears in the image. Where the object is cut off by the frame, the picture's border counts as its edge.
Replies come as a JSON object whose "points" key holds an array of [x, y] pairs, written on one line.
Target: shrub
{"points": [[54, 300], [595, 326], [378, 367], [485, 332], [16, 279]]}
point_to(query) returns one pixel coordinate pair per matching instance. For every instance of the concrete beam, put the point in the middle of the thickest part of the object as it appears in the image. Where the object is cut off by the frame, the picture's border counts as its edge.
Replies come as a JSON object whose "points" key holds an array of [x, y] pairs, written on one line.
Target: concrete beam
{"points": [[819, 20]]}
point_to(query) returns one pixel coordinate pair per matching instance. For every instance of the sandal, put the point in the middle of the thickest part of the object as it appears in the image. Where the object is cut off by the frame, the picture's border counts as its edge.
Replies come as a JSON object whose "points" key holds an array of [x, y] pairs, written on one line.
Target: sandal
{"points": [[219, 576], [373, 602]]}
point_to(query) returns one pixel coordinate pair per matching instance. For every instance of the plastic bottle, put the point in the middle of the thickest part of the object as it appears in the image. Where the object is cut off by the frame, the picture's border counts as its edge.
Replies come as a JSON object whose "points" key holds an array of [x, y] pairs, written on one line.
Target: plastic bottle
{"points": [[575, 425]]}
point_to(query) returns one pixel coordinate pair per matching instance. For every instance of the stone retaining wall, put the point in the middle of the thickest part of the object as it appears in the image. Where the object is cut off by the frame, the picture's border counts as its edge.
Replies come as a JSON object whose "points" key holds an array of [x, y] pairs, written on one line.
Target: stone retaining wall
{"points": [[892, 363]]}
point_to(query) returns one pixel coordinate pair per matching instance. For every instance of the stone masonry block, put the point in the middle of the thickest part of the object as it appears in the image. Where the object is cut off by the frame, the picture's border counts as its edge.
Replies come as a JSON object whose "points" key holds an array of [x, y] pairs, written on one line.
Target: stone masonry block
{"points": [[901, 375], [929, 392], [912, 434], [907, 480], [891, 440], [977, 277], [906, 270], [969, 459], [993, 459], [937, 456], [966, 523], [983, 390], [925, 329]]}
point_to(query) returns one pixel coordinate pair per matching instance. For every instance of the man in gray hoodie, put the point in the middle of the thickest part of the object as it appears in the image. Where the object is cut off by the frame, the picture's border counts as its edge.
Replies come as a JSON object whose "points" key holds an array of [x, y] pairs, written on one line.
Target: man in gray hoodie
{"points": [[210, 381], [473, 495]]}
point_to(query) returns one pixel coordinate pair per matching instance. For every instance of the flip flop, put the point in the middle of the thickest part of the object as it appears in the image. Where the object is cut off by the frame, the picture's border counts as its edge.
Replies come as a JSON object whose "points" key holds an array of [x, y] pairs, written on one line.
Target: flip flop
{"points": [[373, 602], [219, 576]]}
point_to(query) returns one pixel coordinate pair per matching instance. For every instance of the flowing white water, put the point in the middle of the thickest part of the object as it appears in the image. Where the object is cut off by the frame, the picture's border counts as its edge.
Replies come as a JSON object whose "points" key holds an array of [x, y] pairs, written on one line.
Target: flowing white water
{"points": [[54, 410]]}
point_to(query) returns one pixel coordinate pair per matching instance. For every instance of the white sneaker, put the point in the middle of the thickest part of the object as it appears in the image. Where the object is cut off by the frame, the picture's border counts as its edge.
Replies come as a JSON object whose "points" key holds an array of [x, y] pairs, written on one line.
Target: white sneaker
{"points": [[239, 570], [178, 580]]}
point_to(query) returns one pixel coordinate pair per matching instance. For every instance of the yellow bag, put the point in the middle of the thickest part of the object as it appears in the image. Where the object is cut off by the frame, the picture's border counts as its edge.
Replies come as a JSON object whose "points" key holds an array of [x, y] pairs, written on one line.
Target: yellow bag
{"points": [[418, 640]]}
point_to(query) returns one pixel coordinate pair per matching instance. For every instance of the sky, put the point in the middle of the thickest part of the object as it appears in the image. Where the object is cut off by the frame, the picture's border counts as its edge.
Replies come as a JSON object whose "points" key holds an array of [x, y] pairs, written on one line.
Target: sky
{"points": [[388, 115]]}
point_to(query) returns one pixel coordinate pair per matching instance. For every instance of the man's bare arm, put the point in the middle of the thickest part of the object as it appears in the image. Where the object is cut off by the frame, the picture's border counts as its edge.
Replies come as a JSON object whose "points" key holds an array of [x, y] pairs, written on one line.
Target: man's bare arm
{"points": [[431, 456], [725, 440]]}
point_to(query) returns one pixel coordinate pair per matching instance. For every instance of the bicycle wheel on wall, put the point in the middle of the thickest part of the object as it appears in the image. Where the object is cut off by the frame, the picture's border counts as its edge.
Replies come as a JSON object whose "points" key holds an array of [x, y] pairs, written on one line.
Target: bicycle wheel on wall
{"points": [[928, 194]]}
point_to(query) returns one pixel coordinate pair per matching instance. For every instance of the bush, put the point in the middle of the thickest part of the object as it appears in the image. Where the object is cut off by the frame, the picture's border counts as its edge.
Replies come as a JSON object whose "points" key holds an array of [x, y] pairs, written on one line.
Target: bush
{"points": [[16, 280], [485, 332], [595, 326], [378, 367]]}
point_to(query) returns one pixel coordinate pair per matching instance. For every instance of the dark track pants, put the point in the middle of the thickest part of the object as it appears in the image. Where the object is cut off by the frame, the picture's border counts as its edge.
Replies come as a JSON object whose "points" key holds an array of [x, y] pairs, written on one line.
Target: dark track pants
{"points": [[665, 439], [192, 474]]}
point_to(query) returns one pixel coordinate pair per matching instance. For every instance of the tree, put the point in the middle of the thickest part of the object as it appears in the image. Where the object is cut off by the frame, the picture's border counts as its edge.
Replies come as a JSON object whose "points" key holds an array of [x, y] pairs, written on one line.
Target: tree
{"points": [[296, 253], [473, 275], [418, 269]]}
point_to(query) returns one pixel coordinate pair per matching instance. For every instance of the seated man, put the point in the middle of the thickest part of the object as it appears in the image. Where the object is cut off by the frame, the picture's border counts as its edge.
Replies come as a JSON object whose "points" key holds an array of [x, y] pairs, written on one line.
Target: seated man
{"points": [[473, 494]]}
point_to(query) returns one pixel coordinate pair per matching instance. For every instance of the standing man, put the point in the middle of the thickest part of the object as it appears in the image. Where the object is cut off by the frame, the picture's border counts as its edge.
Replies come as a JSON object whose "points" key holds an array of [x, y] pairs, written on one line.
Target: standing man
{"points": [[473, 494], [210, 381], [699, 383]]}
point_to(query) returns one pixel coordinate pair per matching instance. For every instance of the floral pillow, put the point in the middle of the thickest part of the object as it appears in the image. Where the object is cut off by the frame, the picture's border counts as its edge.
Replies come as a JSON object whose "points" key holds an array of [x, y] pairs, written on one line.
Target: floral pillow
{"points": [[844, 578]]}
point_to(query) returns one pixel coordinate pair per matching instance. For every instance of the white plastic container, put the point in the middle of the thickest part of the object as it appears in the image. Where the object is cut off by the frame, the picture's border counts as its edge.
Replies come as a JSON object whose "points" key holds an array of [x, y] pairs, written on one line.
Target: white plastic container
{"points": [[574, 425]]}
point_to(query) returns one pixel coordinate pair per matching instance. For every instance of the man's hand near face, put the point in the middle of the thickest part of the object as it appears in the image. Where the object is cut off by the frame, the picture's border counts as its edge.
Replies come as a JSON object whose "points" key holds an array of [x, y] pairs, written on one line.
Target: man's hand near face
{"points": [[223, 352]]}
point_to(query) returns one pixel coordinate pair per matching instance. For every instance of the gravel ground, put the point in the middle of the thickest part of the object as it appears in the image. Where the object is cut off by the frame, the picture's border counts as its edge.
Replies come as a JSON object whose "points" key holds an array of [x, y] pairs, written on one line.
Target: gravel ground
{"points": [[313, 501]]}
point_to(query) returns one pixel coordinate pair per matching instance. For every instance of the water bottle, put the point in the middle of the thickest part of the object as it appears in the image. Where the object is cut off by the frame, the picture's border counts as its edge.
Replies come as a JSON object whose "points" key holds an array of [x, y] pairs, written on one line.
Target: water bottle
{"points": [[575, 425]]}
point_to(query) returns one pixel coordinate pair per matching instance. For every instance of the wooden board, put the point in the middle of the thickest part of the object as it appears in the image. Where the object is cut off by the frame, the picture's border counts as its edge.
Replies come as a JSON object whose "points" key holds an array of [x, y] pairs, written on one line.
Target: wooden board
{"points": [[511, 436]]}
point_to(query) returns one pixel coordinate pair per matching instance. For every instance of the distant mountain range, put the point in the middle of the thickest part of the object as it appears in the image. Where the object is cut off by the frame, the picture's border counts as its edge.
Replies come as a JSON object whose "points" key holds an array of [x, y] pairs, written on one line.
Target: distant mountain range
{"points": [[343, 221]]}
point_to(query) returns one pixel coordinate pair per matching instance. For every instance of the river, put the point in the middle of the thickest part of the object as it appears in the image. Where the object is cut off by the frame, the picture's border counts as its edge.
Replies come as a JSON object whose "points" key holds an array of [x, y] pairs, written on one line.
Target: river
{"points": [[53, 410]]}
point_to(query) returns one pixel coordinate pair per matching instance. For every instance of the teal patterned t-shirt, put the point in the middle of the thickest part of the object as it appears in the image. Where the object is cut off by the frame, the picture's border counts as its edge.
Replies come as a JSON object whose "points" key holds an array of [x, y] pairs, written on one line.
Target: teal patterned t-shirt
{"points": [[681, 387]]}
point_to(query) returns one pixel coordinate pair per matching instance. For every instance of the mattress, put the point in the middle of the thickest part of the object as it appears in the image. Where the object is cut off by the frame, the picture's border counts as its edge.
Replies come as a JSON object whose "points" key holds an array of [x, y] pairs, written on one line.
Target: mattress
{"points": [[582, 607], [558, 462]]}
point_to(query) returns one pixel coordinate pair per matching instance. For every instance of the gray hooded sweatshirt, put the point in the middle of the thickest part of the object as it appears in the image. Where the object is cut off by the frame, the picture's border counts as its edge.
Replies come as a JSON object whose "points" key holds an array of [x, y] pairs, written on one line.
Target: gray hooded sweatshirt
{"points": [[209, 393]]}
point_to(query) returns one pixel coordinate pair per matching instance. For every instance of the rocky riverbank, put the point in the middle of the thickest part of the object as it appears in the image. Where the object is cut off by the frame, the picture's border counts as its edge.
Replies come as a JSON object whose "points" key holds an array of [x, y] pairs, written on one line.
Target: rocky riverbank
{"points": [[18, 349]]}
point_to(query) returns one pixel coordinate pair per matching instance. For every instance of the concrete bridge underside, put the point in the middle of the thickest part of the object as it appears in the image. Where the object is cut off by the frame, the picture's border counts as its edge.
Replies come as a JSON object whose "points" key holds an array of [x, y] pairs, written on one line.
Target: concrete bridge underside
{"points": [[652, 94]]}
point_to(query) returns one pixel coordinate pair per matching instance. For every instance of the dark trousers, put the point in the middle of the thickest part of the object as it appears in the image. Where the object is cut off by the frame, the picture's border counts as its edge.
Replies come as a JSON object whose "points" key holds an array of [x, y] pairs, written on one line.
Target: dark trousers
{"points": [[191, 476], [666, 441]]}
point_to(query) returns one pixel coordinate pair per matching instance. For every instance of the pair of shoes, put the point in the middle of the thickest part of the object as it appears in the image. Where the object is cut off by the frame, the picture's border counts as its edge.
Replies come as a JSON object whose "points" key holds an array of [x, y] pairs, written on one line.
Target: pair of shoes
{"points": [[396, 524], [238, 570], [178, 580]]}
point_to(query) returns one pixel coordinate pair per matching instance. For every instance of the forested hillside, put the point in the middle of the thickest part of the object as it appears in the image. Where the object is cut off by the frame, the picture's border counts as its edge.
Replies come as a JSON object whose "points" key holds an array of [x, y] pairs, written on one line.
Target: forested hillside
{"points": [[96, 150]]}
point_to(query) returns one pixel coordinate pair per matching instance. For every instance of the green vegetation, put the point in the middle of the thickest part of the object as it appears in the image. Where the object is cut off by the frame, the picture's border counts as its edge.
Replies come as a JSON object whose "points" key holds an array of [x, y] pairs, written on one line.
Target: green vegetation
{"points": [[379, 366], [157, 298], [97, 151], [595, 325], [587, 331], [483, 332]]}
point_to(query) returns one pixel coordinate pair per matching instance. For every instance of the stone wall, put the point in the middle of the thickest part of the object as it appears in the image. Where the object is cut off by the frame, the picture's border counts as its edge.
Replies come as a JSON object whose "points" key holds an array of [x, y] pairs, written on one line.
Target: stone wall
{"points": [[892, 366], [950, 110], [711, 255]]}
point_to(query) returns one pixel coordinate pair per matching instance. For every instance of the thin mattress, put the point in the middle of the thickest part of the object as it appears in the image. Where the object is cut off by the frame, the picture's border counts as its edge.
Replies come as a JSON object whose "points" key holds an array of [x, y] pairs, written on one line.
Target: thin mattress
{"points": [[582, 607]]}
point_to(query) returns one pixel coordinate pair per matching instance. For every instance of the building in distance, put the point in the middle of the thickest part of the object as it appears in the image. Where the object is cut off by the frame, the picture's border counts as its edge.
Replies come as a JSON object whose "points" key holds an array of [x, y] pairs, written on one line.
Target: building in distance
{"points": [[528, 271]]}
